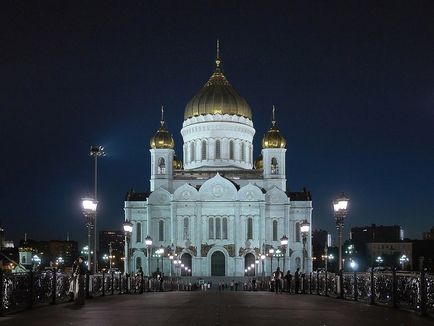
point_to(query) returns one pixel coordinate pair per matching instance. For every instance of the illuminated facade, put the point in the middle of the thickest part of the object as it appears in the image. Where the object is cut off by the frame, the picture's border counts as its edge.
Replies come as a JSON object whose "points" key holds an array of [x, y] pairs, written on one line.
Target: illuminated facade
{"points": [[218, 209]]}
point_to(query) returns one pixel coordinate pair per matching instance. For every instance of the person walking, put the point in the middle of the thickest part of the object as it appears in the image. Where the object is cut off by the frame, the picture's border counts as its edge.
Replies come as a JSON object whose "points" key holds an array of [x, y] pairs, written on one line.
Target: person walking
{"points": [[80, 274], [288, 278], [297, 280], [278, 280]]}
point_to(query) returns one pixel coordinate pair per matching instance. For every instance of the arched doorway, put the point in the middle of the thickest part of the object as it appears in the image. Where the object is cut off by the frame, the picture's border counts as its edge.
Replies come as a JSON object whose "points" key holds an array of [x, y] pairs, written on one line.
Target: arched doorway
{"points": [[218, 264], [249, 261], [186, 261]]}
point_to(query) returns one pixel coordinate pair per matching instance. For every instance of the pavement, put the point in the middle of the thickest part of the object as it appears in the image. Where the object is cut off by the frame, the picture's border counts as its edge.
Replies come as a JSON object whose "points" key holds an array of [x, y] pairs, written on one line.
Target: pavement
{"points": [[216, 308]]}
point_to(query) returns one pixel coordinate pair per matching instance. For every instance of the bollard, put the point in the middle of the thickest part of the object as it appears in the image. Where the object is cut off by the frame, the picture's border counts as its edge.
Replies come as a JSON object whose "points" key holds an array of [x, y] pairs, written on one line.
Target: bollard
{"points": [[113, 288], [423, 293], [394, 289], [372, 298], [54, 286], [355, 294], [103, 283]]}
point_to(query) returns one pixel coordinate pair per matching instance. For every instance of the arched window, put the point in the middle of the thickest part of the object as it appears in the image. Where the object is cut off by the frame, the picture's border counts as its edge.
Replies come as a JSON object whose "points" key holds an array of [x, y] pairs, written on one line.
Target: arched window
{"points": [[161, 166], [250, 228], [186, 225], [274, 230], [225, 228], [249, 260], [297, 232], [217, 149], [23, 259], [298, 262], [138, 232], [211, 228], [218, 230], [161, 230], [192, 158], [203, 150], [231, 150], [274, 166], [138, 263]]}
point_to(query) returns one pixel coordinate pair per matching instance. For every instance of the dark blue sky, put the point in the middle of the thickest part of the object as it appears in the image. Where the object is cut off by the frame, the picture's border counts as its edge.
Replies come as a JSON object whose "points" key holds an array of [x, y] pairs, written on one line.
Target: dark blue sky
{"points": [[353, 83]]}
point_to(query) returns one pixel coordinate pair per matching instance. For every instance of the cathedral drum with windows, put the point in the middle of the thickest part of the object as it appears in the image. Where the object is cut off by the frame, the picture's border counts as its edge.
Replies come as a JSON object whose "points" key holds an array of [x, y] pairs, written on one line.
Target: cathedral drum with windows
{"points": [[218, 210]]}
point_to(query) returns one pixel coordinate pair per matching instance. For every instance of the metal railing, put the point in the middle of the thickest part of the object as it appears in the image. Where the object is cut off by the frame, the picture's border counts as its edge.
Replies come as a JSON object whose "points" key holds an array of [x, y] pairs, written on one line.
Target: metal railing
{"points": [[407, 290]]}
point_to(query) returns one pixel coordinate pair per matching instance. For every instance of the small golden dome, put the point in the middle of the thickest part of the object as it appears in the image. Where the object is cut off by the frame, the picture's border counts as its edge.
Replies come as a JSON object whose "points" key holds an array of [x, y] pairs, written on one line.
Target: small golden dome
{"points": [[177, 163], [162, 138], [217, 97], [273, 138], [259, 163]]}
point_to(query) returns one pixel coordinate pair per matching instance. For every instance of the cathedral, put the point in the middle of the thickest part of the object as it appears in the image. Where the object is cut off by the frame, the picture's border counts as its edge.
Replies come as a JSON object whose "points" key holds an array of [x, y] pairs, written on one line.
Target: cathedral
{"points": [[218, 212]]}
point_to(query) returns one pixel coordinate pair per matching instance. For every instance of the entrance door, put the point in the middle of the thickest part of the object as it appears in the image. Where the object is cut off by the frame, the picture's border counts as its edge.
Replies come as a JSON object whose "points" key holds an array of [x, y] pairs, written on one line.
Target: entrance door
{"points": [[218, 264]]}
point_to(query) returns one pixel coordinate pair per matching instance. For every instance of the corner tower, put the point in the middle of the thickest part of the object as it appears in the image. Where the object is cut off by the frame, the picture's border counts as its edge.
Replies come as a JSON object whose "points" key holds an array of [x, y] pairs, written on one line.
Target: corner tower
{"points": [[218, 129], [162, 157], [273, 156]]}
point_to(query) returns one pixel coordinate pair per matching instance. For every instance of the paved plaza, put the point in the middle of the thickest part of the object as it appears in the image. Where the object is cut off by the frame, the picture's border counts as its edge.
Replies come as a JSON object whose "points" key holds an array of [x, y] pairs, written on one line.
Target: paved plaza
{"points": [[216, 308]]}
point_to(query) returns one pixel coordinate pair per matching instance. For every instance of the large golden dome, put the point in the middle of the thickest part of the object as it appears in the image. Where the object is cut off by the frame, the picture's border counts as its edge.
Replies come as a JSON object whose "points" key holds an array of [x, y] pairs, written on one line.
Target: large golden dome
{"points": [[273, 138], [217, 97], [162, 138]]}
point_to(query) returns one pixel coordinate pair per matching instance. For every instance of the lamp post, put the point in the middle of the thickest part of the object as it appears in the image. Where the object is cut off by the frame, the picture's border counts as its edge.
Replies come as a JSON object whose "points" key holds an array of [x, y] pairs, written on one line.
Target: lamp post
{"points": [[402, 260], [148, 243], [89, 210], [271, 253], [128, 229], [279, 255], [263, 268], [304, 229], [95, 151], [284, 245], [340, 206], [379, 260], [257, 267]]}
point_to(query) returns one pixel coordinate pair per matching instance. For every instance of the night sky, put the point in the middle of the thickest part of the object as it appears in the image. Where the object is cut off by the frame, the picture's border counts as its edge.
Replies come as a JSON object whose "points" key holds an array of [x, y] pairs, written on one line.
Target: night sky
{"points": [[352, 81]]}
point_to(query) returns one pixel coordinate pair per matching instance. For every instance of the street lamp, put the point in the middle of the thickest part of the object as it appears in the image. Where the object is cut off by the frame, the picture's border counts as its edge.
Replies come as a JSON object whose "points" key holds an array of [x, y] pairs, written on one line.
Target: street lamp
{"points": [[263, 269], [284, 245], [304, 229], [379, 260], [271, 253], [279, 255], [403, 259], [95, 152], [89, 210], [148, 243], [353, 265], [340, 206], [128, 229]]}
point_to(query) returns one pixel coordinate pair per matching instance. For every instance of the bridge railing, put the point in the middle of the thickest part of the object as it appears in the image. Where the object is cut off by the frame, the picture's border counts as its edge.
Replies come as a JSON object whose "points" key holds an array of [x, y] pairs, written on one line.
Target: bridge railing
{"points": [[407, 290]]}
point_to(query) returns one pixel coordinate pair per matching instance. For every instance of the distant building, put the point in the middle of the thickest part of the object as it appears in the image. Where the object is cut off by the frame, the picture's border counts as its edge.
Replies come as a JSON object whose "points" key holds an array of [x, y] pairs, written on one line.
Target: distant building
{"points": [[117, 241], [423, 251], [390, 253], [428, 235]]}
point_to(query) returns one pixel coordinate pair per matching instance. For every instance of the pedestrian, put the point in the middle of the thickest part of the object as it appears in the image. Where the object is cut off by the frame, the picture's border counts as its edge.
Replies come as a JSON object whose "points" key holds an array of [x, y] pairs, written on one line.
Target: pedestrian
{"points": [[232, 285], [297, 280], [254, 284], [277, 275], [80, 273], [73, 282], [288, 278]]}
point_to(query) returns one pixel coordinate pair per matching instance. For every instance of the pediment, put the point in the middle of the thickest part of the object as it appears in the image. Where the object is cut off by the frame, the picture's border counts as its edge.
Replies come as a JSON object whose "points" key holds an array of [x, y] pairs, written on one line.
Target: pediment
{"points": [[160, 196], [276, 196], [186, 193], [218, 189], [250, 192]]}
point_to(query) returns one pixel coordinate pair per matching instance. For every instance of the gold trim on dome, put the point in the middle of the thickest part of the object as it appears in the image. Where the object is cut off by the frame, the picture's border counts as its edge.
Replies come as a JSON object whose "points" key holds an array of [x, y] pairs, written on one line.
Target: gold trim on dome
{"points": [[217, 96], [273, 138], [259, 163], [162, 138]]}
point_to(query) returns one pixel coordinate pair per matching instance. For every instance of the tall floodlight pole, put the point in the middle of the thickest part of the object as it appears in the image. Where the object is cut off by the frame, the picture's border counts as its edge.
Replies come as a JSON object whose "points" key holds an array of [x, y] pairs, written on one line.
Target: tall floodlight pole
{"points": [[89, 211], [304, 229], [95, 151]]}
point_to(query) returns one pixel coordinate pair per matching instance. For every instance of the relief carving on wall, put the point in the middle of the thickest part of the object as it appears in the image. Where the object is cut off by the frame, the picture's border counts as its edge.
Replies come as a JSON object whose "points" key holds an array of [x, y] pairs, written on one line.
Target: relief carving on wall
{"points": [[205, 248], [178, 250], [230, 248], [193, 250], [242, 251], [257, 252]]}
